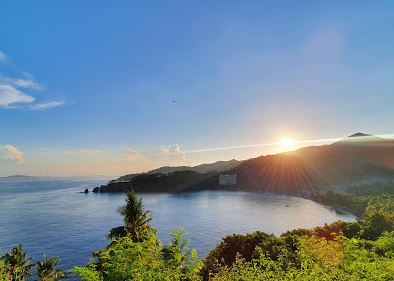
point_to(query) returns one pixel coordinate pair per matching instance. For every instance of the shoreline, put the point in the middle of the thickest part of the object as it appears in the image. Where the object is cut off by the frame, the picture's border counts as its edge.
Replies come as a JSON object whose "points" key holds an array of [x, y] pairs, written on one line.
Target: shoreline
{"points": [[317, 198]]}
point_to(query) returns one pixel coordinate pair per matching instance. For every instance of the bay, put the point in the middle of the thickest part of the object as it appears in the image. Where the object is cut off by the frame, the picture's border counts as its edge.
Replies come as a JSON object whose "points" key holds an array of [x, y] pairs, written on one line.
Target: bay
{"points": [[52, 216]]}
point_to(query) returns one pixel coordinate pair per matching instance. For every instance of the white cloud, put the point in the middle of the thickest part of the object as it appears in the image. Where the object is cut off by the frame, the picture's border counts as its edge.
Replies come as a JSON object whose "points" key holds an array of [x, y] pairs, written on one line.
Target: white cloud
{"points": [[13, 91], [173, 148], [27, 84], [9, 96], [174, 151], [12, 153], [3, 57], [46, 105]]}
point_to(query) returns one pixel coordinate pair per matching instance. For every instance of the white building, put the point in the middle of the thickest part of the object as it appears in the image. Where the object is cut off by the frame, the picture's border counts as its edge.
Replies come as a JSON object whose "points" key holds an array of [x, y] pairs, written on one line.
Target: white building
{"points": [[227, 179]]}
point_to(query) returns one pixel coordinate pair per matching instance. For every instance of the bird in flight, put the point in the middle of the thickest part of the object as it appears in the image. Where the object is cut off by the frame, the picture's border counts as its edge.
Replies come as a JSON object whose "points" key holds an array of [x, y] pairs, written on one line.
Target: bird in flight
{"points": [[173, 100]]}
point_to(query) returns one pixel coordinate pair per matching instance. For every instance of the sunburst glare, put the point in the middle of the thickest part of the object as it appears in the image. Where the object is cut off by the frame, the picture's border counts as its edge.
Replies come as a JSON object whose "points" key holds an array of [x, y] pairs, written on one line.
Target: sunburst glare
{"points": [[287, 143]]}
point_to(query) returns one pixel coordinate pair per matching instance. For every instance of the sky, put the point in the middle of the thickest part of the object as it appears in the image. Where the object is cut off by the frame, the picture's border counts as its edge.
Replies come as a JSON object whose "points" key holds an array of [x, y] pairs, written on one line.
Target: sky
{"points": [[116, 87]]}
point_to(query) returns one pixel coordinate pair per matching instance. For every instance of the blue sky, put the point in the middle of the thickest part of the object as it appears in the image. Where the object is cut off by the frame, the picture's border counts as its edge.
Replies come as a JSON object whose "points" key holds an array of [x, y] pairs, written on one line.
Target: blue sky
{"points": [[87, 87]]}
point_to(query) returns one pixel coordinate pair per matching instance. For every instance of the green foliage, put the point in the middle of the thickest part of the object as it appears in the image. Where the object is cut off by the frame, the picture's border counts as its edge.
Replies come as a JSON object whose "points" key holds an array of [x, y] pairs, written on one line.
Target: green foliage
{"points": [[363, 250], [320, 259], [363, 263], [284, 248], [249, 246], [4, 276], [16, 264], [46, 269], [356, 204], [136, 219], [88, 273], [376, 212], [232, 246], [126, 259], [384, 246]]}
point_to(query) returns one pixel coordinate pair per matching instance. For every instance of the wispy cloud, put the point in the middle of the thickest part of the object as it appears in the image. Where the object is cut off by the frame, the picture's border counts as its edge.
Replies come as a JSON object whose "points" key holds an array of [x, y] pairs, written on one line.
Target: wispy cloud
{"points": [[12, 153], [9, 96], [174, 151], [173, 148], [27, 84], [15, 91], [46, 105]]}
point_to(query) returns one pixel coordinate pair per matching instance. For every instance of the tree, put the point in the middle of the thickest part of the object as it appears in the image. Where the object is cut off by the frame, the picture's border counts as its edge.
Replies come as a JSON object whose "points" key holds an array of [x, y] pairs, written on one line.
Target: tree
{"points": [[136, 219], [148, 260], [4, 276], [178, 255], [16, 264], [46, 269]]}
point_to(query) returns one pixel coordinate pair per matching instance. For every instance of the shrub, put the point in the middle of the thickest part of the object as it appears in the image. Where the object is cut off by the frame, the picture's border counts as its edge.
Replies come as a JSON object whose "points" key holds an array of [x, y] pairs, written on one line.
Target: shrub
{"points": [[126, 259]]}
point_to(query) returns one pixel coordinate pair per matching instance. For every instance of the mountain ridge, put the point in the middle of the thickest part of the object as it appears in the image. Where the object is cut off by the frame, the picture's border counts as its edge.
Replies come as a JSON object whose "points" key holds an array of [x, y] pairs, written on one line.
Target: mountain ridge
{"points": [[218, 166], [315, 167], [356, 159]]}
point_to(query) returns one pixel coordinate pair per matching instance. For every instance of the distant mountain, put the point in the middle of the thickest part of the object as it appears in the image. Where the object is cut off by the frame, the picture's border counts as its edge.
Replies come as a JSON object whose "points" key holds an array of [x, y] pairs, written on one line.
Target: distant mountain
{"points": [[218, 166], [17, 176], [358, 158], [362, 139]]}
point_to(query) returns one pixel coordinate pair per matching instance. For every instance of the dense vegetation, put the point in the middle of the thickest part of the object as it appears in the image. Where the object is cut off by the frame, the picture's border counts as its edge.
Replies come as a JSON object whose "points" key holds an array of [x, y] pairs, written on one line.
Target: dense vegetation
{"points": [[136, 220], [172, 182], [126, 259], [362, 250], [16, 266]]}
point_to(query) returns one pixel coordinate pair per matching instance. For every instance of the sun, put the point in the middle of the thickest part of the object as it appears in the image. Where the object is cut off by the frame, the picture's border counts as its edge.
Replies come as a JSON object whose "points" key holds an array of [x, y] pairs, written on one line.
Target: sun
{"points": [[287, 143]]}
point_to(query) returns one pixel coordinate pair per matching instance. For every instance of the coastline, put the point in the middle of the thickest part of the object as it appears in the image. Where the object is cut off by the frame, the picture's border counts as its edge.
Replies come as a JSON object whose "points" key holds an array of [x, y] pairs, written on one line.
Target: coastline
{"points": [[317, 197]]}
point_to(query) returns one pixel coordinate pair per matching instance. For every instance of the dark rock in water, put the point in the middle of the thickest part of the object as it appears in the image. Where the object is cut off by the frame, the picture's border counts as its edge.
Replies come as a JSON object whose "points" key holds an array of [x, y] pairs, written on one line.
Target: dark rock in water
{"points": [[96, 189], [86, 190]]}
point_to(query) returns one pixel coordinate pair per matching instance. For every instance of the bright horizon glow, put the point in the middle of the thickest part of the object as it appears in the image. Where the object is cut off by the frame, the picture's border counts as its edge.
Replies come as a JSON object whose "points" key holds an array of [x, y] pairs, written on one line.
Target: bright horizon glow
{"points": [[287, 143], [180, 84], [105, 161]]}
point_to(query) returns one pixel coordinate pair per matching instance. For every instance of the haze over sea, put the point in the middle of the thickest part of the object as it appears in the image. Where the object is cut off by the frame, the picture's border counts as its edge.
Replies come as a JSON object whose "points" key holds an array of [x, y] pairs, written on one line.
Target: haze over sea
{"points": [[51, 216]]}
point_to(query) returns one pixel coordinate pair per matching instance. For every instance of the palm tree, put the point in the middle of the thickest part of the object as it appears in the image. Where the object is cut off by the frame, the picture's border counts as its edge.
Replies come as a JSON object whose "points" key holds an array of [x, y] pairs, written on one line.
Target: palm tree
{"points": [[17, 264], [135, 218], [46, 269]]}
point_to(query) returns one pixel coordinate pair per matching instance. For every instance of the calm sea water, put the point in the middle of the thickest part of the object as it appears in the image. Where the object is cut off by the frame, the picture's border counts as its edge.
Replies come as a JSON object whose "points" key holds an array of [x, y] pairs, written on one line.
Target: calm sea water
{"points": [[53, 217]]}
